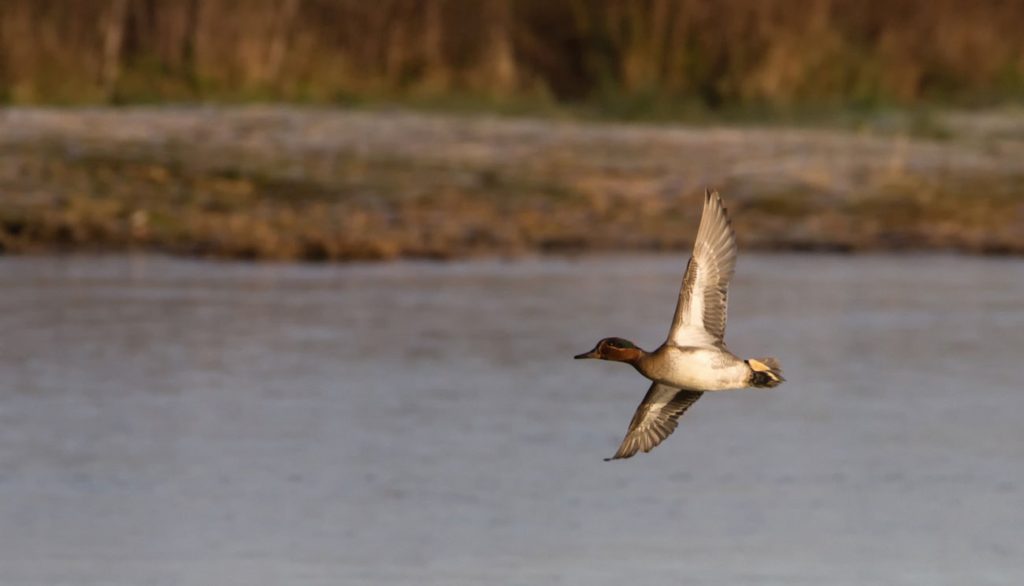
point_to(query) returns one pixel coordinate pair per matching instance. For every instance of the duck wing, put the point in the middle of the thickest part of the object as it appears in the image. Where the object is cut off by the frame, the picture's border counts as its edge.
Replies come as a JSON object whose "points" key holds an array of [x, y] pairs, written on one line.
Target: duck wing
{"points": [[700, 312], [655, 419]]}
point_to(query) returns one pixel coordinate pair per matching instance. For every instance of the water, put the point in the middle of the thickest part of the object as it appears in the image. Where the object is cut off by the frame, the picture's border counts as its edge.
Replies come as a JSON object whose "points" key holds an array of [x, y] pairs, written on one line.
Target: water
{"points": [[178, 422]]}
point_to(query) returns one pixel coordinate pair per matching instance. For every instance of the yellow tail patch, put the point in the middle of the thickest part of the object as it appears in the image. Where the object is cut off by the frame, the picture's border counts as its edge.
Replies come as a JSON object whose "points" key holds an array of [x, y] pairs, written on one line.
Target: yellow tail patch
{"points": [[758, 366]]}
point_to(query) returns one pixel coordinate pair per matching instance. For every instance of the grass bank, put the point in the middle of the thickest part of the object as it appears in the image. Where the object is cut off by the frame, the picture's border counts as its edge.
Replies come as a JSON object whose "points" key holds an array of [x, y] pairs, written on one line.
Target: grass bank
{"points": [[319, 184]]}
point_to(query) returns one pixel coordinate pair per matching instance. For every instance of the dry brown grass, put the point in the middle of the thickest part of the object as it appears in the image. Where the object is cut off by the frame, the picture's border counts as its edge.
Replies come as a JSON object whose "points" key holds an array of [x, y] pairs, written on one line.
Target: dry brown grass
{"points": [[619, 54], [281, 183]]}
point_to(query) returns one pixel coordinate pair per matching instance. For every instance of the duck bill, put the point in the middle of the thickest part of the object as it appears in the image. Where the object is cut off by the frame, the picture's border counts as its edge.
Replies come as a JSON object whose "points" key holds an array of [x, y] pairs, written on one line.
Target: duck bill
{"points": [[591, 354]]}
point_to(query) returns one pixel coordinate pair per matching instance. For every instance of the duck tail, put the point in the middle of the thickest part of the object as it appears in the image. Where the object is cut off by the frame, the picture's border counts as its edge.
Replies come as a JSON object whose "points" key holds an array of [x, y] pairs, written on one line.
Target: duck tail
{"points": [[765, 372]]}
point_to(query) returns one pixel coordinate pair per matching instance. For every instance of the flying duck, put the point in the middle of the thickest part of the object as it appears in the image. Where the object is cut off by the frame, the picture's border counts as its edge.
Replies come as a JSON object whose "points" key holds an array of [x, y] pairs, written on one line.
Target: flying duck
{"points": [[694, 358]]}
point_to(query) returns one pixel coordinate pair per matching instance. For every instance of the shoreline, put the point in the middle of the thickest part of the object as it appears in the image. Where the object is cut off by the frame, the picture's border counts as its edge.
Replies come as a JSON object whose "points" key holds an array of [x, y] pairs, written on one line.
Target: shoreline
{"points": [[285, 183]]}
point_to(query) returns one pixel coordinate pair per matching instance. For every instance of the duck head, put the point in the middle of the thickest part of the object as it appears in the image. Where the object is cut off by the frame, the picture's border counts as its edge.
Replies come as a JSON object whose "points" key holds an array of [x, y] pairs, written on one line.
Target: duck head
{"points": [[616, 349]]}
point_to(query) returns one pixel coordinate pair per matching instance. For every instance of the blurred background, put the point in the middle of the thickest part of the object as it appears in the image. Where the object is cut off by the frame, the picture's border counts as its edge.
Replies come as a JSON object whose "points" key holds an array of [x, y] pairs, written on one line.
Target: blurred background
{"points": [[341, 129], [211, 375], [613, 57]]}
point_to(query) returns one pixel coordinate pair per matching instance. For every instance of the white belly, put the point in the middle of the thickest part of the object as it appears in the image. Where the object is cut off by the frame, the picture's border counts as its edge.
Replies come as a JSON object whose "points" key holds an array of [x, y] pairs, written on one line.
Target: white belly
{"points": [[698, 369]]}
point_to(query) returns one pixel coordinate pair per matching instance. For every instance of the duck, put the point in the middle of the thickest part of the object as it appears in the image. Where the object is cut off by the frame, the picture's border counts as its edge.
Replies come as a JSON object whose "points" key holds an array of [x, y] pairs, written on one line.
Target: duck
{"points": [[694, 359]]}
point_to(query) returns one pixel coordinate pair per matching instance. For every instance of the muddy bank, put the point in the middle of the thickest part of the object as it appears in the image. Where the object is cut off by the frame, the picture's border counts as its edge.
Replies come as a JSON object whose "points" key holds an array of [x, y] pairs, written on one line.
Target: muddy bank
{"points": [[283, 183]]}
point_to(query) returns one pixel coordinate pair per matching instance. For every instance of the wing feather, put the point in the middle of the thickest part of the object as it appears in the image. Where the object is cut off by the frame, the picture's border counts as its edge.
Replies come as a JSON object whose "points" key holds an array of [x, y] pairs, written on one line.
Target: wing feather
{"points": [[703, 298], [655, 419]]}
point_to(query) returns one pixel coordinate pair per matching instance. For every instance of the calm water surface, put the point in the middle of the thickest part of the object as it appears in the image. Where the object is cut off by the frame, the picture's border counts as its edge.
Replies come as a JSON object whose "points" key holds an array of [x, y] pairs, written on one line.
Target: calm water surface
{"points": [[177, 422]]}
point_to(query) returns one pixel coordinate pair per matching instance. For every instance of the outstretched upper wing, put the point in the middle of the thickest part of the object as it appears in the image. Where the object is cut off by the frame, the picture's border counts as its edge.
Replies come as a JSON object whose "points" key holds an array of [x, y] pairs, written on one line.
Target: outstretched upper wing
{"points": [[700, 312], [655, 419]]}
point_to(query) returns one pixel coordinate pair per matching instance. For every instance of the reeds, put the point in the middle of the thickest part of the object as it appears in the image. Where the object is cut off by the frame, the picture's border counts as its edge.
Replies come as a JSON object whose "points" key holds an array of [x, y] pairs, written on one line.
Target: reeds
{"points": [[711, 54]]}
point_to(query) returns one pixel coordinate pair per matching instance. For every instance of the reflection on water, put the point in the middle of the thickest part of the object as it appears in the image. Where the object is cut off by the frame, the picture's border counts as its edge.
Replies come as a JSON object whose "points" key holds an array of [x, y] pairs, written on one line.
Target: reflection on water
{"points": [[179, 422]]}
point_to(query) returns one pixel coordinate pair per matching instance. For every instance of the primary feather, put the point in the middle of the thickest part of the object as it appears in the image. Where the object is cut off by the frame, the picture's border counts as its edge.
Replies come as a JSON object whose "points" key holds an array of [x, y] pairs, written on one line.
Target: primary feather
{"points": [[703, 299], [655, 419]]}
